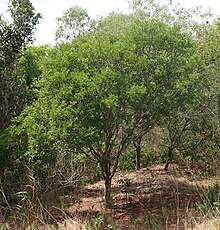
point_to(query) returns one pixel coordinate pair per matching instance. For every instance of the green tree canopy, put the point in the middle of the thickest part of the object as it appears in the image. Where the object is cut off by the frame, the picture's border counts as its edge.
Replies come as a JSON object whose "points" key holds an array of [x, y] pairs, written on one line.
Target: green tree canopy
{"points": [[99, 92], [14, 37]]}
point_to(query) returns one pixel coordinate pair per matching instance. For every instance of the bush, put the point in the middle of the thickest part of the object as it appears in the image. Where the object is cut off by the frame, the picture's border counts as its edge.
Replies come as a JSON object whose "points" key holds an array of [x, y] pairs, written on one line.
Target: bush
{"points": [[127, 160]]}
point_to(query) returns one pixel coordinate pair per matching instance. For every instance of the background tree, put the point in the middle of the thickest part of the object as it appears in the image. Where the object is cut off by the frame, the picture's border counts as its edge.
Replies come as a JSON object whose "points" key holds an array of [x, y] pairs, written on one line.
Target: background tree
{"points": [[194, 127], [193, 21], [115, 23], [14, 37], [74, 22]]}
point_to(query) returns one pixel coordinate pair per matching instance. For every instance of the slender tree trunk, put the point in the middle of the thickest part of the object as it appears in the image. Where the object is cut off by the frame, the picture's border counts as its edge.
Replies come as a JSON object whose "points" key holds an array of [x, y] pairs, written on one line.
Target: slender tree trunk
{"points": [[169, 158], [105, 163], [138, 158], [107, 191], [137, 145]]}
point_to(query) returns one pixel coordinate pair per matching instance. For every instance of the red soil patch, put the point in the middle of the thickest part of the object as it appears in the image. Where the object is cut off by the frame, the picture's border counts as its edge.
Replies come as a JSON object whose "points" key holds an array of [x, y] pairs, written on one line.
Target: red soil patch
{"points": [[163, 202]]}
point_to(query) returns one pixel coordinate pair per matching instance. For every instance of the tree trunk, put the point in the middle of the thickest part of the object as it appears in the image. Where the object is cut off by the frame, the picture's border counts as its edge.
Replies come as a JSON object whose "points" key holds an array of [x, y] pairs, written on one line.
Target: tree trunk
{"points": [[137, 145], [108, 201], [169, 158], [138, 158]]}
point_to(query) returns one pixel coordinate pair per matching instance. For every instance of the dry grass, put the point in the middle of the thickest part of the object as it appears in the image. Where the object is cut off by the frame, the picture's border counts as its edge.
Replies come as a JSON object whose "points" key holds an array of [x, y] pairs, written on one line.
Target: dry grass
{"points": [[166, 202], [206, 223]]}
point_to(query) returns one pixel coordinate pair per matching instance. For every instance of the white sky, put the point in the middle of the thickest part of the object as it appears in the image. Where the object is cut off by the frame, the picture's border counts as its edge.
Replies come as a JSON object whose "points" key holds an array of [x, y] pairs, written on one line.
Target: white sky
{"points": [[50, 9]]}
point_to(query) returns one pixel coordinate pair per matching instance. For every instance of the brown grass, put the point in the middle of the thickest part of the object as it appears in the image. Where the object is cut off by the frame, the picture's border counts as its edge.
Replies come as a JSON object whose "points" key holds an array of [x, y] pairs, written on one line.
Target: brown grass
{"points": [[167, 200]]}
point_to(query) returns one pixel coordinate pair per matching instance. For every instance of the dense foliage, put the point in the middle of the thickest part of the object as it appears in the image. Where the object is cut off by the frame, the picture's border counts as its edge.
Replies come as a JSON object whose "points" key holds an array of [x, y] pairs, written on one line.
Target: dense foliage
{"points": [[14, 37]]}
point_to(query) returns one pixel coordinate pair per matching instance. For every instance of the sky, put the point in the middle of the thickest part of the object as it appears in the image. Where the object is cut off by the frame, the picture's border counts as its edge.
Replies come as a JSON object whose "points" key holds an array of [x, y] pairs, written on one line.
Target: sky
{"points": [[51, 9]]}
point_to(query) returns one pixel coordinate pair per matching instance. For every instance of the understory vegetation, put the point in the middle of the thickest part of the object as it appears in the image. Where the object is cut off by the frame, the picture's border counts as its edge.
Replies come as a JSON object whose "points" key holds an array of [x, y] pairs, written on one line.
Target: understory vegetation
{"points": [[104, 119]]}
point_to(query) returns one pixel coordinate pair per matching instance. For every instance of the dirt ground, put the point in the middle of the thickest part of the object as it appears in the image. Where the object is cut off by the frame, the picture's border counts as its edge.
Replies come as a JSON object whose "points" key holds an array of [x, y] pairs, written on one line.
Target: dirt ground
{"points": [[155, 199]]}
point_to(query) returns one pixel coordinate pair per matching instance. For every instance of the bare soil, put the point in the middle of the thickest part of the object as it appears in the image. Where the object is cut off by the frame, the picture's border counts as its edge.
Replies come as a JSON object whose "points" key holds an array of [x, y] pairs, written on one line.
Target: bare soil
{"points": [[155, 200]]}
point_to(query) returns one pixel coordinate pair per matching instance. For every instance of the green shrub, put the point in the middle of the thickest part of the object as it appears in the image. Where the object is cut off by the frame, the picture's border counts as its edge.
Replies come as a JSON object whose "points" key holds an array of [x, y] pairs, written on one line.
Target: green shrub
{"points": [[148, 159], [127, 160]]}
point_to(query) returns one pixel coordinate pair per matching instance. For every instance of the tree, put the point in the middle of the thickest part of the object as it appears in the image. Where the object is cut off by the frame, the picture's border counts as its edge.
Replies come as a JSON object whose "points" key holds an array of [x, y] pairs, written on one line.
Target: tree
{"points": [[115, 23], [191, 134], [74, 22], [14, 37], [109, 89], [191, 130], [192, 21]]}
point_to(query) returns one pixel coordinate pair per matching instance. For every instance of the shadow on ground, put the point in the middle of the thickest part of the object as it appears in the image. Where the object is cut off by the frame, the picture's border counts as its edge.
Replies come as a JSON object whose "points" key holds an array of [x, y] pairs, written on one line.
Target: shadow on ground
{"points": [[164, 201]]}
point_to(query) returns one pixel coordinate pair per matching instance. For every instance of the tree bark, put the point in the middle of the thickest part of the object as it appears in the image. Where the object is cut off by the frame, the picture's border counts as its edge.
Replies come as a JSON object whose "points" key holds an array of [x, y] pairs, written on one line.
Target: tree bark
{"points": [[107, 191], [138, 158]]}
